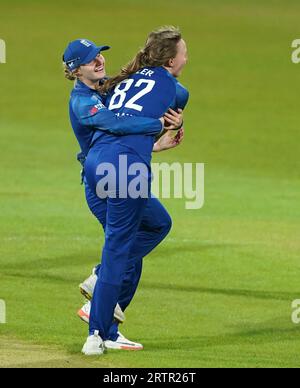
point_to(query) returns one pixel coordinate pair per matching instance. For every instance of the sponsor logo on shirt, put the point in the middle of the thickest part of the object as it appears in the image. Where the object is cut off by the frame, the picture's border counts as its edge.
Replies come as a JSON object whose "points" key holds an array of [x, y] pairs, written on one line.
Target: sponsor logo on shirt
{"points": [[95, 109]]}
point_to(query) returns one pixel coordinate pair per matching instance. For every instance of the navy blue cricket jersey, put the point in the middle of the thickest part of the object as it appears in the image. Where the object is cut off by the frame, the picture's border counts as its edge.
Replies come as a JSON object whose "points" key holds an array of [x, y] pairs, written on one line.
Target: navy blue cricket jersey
{"points": [[150, 93]]}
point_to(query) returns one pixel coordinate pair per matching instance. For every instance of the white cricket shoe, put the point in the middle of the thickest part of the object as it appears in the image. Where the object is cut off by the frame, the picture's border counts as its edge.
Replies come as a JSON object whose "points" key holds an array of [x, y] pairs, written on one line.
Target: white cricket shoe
{"points": [[88, 286], [84, 313], [123, 343], [94, 345]]}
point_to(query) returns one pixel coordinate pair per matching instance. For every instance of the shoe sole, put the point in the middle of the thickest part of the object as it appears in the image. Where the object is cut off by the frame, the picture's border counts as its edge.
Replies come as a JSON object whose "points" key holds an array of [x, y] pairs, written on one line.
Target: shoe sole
{"points": [[85, 293], [115, 346], [83, 316], [92, 354], [128, 348]]}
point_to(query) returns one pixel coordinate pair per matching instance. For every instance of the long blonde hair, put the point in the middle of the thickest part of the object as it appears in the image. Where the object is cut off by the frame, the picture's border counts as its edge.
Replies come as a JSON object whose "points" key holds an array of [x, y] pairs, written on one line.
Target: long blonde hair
{"points": [[70, 75], [160, 48]]}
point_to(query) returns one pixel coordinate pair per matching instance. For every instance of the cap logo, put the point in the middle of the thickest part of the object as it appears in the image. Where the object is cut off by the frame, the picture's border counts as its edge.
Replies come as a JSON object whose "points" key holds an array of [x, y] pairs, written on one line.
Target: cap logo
{"points": [[85, 43], [73, 63]]}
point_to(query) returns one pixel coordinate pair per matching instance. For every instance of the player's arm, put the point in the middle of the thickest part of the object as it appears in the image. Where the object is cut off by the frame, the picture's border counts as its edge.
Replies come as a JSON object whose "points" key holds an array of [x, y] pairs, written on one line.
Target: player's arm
{"points": [[96, 115], [173, 133], [169, 138], [173, 121], [169, 141], [174, 117]]}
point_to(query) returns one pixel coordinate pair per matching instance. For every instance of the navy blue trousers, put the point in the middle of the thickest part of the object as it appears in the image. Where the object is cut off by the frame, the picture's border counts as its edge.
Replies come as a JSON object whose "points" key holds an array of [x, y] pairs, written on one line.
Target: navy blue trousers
{"points": [[133, 228]]}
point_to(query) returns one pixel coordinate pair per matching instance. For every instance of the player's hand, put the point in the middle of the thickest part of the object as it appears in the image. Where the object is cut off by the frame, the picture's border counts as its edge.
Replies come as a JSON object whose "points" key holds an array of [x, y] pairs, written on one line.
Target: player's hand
{"points": [[168, 140], [173, 119]]}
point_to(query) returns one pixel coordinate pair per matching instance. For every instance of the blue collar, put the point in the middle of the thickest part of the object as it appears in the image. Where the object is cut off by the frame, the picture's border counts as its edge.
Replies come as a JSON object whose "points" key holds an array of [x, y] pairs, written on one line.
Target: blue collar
{"points": [[79, 85]]}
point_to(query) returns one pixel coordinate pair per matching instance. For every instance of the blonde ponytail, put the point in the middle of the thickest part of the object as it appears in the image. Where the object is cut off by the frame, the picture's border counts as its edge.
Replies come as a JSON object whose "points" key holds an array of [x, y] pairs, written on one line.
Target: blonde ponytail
{"points": [[160, 48]]}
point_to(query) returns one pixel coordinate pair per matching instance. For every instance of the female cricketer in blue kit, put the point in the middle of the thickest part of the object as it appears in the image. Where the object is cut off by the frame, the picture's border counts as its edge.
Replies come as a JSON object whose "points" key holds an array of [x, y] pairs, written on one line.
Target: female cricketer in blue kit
{"points": [[133, 226]]}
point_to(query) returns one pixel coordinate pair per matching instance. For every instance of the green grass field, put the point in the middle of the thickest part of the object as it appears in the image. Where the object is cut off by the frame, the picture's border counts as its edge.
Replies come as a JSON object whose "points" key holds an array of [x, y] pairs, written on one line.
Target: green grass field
{"points": [[218, 291]]}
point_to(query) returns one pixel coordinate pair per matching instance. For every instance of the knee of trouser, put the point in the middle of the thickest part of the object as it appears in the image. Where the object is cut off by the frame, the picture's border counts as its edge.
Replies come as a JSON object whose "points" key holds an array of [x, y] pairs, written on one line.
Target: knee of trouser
{"points": [[133, 273], [113, 266]]}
